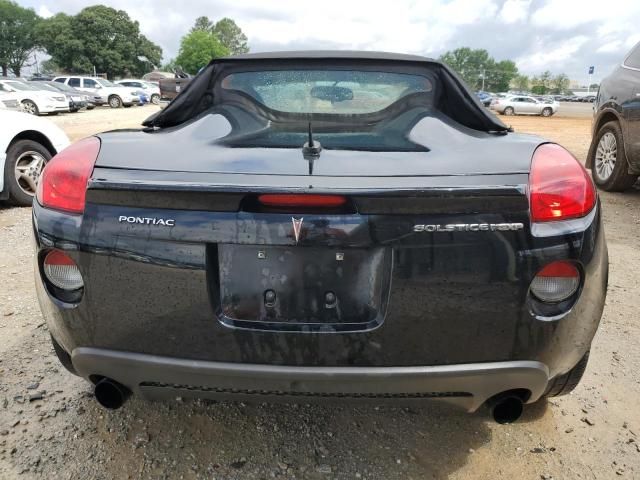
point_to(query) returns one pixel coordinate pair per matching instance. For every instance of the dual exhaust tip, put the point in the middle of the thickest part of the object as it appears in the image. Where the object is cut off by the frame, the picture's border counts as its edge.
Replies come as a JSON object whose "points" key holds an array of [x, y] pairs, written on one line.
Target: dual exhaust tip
{"points": [[504, 408]]}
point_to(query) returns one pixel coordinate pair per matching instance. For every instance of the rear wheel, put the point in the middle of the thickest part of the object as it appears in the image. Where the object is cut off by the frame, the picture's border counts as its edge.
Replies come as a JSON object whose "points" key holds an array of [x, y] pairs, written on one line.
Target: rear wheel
{"points": [[30, 107], [546, 112], [565, 384], [509, 111], [155, 99], [25, 161], [115, 101], [610, 169]]}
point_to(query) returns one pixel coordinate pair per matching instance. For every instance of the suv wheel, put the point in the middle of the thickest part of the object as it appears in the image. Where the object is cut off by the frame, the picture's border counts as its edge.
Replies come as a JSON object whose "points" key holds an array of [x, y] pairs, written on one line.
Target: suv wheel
{"points": [[546, 112], [25, 161], [610, 168], [115, 101]]}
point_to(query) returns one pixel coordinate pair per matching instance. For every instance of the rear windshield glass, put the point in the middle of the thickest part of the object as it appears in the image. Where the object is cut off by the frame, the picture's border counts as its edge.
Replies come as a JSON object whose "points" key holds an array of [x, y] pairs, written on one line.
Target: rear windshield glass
{"points": [[345, 92]]}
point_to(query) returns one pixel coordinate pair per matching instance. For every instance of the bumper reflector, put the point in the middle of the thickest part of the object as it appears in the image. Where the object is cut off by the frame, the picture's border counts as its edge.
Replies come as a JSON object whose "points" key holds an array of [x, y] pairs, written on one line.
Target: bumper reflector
{"points": [[62, 271], [556, 282]]}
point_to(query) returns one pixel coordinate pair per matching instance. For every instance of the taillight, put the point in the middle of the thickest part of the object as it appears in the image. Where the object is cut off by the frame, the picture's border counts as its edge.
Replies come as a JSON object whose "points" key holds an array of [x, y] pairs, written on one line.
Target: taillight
{"points": [[63, 183], [62, 271], [302, 200], [556, 282], [559, 186]]}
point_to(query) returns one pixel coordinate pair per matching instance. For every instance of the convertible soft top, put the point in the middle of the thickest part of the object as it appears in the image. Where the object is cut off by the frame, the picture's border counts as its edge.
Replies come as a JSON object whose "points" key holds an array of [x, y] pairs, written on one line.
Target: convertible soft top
{"points": [[455, 100]]}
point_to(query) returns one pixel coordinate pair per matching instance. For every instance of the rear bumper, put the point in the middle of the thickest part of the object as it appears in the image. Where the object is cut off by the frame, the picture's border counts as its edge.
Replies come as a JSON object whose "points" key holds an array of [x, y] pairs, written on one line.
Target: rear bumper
{"points": [[467, 386]]}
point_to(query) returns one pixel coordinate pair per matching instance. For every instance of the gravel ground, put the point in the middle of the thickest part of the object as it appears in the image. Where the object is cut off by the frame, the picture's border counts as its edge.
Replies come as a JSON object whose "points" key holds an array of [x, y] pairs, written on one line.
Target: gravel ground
{"points": [[51, 427]]}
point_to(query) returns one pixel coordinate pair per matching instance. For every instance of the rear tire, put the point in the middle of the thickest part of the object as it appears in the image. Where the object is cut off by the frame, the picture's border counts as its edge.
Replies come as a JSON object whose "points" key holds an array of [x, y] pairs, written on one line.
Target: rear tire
{"points": [[155, 99], [509, 111], [610, 170], [63, 356], [546, 112], [115, 101], [566, 383]]}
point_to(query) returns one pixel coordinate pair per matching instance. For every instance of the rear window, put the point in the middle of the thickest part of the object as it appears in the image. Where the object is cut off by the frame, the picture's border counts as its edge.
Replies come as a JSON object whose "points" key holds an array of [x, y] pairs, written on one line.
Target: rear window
{"points": [[341, 92]]}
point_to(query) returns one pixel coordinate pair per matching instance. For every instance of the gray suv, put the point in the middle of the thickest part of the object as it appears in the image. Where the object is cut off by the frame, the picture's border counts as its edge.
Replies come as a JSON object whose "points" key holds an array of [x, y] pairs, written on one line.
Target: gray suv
{"points": [[614, 154]]}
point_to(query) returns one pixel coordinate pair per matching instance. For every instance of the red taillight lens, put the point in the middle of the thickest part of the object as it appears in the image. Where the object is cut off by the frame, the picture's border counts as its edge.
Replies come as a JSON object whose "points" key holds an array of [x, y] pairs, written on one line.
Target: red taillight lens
{"points": [[559, 186], [556, 282], [63, 183], [308, 201], [62, 271]]}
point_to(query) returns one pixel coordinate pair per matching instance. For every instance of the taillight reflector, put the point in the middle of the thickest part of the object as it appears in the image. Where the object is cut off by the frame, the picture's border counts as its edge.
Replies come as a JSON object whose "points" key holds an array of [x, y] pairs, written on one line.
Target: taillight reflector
{"points": [[556, 282], [302, 200], [559, 186], [62, 271], [63, 183]]}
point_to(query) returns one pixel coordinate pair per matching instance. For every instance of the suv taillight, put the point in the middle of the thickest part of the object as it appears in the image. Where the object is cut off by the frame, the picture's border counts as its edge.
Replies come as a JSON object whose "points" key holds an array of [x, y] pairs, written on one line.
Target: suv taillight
{"points": [[559, 186], [63, 183]]}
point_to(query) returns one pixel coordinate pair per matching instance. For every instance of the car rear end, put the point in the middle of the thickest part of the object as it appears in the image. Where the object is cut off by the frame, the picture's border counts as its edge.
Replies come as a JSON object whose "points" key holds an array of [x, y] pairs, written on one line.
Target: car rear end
{"points": [[413, 259]]}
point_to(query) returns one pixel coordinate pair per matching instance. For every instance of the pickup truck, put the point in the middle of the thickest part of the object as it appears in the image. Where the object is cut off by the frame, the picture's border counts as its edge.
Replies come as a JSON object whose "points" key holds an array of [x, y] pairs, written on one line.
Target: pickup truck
{"points": [[171, 87]]}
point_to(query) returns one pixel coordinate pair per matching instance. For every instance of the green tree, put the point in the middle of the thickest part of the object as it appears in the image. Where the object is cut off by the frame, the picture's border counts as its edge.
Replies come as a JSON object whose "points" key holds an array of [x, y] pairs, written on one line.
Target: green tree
{"points": [[520, 82], [230, 35], [197, 48], [17, 36], [499, 77], [99, 37], [202, 23], [474, 66], [541, 84], [559, 83]]}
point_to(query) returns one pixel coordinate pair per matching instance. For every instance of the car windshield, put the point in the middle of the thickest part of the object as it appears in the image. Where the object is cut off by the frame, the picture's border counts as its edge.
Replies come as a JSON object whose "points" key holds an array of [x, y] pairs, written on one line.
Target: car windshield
{"points": [[106, 83], [342, 92], [20, 86]]}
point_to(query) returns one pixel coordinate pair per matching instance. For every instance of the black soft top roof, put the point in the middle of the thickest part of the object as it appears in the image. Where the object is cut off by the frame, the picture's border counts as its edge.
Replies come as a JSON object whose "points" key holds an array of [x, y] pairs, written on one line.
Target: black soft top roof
{"points": [[456, 101]]}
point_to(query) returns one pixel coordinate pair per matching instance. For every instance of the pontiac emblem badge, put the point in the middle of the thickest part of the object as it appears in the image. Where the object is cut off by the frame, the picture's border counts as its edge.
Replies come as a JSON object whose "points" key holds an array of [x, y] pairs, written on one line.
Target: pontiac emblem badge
{"points": [[297, 226]]}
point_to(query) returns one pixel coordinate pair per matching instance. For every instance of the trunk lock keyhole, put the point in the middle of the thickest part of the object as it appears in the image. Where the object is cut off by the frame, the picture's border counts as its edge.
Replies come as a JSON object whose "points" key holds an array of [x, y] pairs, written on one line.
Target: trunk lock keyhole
{"points": [[269, 298], [330, 299]]}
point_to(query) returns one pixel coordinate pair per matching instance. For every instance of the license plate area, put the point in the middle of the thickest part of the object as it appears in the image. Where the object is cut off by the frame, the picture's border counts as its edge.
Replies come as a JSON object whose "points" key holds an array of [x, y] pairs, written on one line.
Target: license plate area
{"points": [[303, 288]]}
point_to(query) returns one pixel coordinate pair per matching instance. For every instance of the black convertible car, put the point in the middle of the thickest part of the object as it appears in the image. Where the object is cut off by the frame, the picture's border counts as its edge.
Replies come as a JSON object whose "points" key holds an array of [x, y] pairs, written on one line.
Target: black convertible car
{"points": [[322, 224]]}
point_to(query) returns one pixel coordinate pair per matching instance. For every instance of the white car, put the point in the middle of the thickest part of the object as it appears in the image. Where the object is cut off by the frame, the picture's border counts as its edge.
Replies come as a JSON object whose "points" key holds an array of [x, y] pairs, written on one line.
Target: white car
{"points": [[115, 95], [34, 100], [152, 90], [524, 105], [27, 143]]}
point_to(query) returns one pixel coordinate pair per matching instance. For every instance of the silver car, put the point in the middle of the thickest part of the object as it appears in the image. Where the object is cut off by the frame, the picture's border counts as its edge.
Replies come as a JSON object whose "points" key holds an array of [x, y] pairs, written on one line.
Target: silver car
{"points": [[524, 105]]}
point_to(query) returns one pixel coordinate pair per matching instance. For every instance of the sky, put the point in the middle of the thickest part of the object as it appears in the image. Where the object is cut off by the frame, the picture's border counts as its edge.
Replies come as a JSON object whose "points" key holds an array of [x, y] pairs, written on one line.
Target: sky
{"points": [[557, 35]]}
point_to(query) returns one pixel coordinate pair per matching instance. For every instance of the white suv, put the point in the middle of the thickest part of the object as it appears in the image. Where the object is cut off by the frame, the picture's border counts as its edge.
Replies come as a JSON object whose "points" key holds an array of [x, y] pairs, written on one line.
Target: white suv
{"points": [[115, 95], [32, 99]]}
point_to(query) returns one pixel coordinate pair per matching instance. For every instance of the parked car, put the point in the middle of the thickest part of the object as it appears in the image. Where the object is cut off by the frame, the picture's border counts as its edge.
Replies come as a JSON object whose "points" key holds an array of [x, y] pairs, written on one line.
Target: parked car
{"points": [[27, 143], [521, 105], [614, 154], [90, 99], [484, 98], [34, 100], [76, 102], [412, 247], [142, 98], [114, 95], [150, 89]]}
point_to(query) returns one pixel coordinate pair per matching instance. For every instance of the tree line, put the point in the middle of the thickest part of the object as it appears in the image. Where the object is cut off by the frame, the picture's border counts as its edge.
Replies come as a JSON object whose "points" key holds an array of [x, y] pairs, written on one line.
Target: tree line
{"points": [[477, 68], [106, 40]]}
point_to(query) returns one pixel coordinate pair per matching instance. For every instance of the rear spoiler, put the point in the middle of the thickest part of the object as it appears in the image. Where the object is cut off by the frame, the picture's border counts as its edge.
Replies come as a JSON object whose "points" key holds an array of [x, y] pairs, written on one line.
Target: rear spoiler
{"points": [[456, 101]]}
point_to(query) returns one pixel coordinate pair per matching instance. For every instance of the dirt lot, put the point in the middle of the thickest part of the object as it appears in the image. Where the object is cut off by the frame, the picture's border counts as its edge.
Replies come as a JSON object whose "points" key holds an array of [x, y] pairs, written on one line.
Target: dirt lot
{"points": [[50, 426]]}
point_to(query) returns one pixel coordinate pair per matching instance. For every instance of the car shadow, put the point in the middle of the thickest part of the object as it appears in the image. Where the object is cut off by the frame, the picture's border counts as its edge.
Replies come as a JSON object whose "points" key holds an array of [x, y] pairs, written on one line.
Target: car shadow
{"points": [[235, 440]]}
